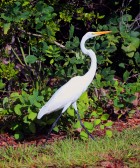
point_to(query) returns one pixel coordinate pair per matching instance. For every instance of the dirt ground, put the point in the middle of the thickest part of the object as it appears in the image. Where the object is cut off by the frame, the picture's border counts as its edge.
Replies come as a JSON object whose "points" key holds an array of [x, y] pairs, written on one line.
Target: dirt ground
{"points": [[8, 140]]}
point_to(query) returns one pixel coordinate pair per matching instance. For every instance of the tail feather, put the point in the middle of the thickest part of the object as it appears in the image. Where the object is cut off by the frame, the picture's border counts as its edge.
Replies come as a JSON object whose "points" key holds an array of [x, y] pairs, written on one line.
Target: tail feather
{"points": [[42, 112]]}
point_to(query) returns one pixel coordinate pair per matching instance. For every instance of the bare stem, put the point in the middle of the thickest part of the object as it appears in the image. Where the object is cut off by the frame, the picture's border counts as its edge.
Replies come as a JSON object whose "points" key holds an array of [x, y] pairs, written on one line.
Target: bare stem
{"points": [[39, 35]]}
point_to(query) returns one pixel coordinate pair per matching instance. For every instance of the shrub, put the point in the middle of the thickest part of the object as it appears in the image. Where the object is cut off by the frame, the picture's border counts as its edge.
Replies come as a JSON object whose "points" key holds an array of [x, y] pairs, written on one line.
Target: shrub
{"points": [[33, 62]]}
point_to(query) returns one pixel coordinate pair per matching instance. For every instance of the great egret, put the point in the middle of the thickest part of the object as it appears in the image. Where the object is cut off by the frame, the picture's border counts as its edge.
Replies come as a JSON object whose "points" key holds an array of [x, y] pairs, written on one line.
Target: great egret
{"points": [[68, 94]]}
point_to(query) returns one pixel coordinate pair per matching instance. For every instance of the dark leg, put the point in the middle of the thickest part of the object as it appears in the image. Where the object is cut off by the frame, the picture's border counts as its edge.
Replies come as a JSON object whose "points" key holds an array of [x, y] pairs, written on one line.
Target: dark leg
{"points": [[64, 109], [83, 124], [54, 124]]}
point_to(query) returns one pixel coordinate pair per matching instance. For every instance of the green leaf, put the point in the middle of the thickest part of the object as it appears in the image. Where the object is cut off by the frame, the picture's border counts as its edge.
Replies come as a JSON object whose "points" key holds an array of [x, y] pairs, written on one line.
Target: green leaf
{"points": [[116, 84], [1, 109], [88, 125], [75, 43], [100, 111], [6, 27], [126, 75], [134, 33], [122, 65], [39, 25], [135, 42], [102, 127], [126, 18], [2, 85], [14, 95], [130, 99], [51, 61], [132, 112], [98, 78], [37, 104], [94, 113], [30, 59], [97, 122], [5, 100], [25, 3], [84, 97], [24, 97], [109, 133], [15, 126], [131, 54], [83, 135], [17, 109], [131, 47], [56, 129], [40, 98], [117, 103], [6, 18], [111, 49], [119, 116], [137, 57], [35, 93], [109, 124], [68, 45], [33, 101], [70, 111], [105, 117], [31, 115], [77, 125], [25, 120], [71, 31], [18, 135]]}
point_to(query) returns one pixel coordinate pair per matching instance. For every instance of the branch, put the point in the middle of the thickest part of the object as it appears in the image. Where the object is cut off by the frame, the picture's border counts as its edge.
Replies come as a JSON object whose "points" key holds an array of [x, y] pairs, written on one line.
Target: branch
{"points": [[39, 35], [59, 45], [136, 22]]}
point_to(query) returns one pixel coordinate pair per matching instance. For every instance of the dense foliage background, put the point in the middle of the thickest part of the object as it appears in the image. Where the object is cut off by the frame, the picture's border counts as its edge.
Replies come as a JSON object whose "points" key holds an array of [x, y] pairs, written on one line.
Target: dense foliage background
{"points": [[39, 51]]}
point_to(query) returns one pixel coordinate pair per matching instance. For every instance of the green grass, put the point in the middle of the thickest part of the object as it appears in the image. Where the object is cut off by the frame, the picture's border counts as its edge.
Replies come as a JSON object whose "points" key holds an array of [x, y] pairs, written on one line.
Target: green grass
{"points": [[123, 147]]}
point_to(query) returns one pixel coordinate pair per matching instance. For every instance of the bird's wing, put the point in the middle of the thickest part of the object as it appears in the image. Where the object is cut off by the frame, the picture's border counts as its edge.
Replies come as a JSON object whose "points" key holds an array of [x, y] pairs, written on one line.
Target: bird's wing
{"points": [[68, 93]]}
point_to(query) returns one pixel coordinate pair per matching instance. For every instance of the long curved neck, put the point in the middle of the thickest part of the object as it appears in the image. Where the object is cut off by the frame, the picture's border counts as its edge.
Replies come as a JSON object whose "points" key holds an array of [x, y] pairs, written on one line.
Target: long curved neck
{"points": [[88, 77]]}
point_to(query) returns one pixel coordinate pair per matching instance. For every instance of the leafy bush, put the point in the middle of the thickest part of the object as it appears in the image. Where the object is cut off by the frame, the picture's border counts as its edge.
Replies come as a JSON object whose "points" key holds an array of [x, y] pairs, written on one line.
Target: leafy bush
{"points": [[33, 62]]}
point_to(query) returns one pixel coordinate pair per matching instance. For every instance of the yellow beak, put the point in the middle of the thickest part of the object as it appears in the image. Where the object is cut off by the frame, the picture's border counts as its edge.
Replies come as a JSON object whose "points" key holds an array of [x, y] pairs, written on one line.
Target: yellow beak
{"points": [[100, 33]]}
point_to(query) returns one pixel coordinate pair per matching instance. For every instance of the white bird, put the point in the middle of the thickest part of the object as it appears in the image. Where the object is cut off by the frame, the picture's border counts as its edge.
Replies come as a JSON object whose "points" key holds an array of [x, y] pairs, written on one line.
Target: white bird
{"points": [[68, 94]]}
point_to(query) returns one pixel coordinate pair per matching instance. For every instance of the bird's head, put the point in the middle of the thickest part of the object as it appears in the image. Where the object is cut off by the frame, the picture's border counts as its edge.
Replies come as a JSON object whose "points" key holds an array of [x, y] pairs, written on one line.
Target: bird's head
{"points": [[94, 34]]}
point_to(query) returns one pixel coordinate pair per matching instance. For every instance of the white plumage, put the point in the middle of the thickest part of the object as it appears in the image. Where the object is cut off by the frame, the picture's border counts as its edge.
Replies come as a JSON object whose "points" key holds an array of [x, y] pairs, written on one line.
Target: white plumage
{"points": [[68, 94], [64, 96]]}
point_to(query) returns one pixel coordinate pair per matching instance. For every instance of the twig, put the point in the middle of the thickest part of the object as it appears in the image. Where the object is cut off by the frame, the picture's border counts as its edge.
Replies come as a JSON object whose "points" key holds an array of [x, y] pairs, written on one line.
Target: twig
{"points": [[17, 57], [22, 51], [59, 45], [39, 35], [136, 22]]}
